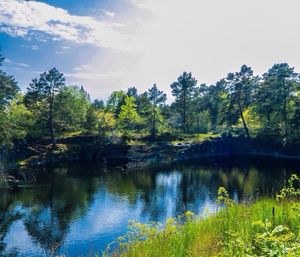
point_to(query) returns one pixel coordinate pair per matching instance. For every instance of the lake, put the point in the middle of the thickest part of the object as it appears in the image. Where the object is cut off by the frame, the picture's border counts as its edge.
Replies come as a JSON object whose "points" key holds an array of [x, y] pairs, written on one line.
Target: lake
{"points": [[78, 209]]}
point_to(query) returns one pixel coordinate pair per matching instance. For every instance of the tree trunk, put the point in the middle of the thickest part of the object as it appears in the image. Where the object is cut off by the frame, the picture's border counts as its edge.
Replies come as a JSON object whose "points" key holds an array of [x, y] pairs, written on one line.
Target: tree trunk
{"points": [[153, 123], [285, 120], [51, 129], [153, 129], [244, 122], [268, 119], [184, 115]]}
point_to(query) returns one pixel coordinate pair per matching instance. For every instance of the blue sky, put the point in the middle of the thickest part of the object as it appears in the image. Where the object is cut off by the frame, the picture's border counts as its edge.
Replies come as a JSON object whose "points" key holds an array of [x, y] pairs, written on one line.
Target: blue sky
{"points": [[113, 44]]}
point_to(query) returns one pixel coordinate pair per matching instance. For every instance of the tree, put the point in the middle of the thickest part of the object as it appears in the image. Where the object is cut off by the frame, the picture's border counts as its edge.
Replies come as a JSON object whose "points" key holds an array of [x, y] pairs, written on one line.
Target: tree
{"points": [[264, 102], [156, 98], [295, 120], [41, 95], [17, 121], [281, 81], [212, 99], [8, 86], [132, 91], [115, 101], [240, 86], [71, 107], [91, 123], [98, 104], [129, 117], [183, 89], [2, 58], [8, 92], [105, 122]]}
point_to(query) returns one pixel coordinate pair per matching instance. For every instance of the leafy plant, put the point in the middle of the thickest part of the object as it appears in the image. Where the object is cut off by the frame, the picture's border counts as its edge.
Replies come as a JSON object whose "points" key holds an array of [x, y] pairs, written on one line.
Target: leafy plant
{"points": [[271, 241], [224, 198], [289, 191]]}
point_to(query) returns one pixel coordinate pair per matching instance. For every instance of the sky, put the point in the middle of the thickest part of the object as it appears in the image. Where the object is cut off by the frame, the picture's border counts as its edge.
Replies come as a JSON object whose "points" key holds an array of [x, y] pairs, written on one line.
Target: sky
{"points": [[108, 45]]}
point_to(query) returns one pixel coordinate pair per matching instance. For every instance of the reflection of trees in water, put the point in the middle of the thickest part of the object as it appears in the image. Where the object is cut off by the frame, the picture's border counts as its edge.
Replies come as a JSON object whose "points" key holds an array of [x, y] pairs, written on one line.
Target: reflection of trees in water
{"points": [[66, 200], [7, 217], [49, 210], [190, 188]]}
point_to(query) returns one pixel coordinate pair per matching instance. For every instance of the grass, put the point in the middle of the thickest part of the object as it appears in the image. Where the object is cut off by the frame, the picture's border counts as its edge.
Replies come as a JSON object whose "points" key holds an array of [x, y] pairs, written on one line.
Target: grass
{"points": [[195, 138], [268, 227], [70, 133]]}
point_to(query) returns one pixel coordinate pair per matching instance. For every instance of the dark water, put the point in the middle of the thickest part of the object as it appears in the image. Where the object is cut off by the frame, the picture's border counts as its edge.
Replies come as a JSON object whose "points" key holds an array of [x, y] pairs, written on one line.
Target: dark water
{"points": [[77, 210]]}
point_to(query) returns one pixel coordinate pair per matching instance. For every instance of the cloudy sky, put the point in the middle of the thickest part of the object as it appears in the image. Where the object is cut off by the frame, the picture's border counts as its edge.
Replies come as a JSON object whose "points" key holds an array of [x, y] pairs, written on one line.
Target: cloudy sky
{"points": [[108, 45]]}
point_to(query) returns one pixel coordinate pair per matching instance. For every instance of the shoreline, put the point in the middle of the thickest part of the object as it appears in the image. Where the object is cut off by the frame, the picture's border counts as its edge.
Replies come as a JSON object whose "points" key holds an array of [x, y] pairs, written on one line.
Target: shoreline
{"points": [[147, 154]]}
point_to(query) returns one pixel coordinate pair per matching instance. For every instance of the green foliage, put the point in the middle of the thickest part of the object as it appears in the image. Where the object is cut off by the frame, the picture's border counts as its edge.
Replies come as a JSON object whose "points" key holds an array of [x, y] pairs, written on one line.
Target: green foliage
{"points": [[279, 90], [71, 107], [115, 101], [289, 191], [213, 99], [240, 86], [106, 122], [265, 107], [156, 98], [270, 241], [8, 89], [132, 91], [11, 115], [8, 86], [141, 237], [183, 90], [15, 121], [41, 94], [223, 197], [128, 117]]}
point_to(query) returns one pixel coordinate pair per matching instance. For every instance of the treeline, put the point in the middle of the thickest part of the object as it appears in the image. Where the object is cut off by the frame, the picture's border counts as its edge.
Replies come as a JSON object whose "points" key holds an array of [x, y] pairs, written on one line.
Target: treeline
{"points": [[240, 104]]}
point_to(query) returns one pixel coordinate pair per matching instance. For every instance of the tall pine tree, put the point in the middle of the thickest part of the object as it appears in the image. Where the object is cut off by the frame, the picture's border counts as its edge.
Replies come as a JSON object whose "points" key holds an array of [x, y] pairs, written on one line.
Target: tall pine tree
{"points": [[41, 94], [183, 90]]}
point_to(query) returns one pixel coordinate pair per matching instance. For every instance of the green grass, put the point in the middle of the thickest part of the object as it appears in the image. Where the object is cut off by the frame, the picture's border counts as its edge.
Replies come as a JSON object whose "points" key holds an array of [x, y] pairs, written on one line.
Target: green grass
{"points": [[268, 227], [195, 138], [70, 133]]}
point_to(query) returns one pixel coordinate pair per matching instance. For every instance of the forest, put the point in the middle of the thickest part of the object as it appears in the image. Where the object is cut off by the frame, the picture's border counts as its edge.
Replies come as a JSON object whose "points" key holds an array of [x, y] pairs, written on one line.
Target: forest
{"points": [[241, 104], [241, 107]]}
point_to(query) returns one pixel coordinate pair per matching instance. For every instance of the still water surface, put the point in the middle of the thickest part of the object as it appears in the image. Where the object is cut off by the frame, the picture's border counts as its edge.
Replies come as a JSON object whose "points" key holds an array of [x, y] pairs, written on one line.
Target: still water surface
{"points": [[78, 209]]}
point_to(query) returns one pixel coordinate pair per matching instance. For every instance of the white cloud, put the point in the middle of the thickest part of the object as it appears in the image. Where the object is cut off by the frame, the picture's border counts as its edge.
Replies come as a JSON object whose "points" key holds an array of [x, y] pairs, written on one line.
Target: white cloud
{"points": [[109, 14], [211, 38], [77, 69], [18, 69], [163, 38], [83, 67], [85, 75], [20, 18], [32, 47], [14, 31], [23, 64], [6, 60]]}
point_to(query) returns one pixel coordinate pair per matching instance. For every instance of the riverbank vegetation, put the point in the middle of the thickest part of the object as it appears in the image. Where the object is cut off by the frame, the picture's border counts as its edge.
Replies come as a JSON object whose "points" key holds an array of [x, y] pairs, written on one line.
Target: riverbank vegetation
{"points": [[267, 227], [241, 104]]}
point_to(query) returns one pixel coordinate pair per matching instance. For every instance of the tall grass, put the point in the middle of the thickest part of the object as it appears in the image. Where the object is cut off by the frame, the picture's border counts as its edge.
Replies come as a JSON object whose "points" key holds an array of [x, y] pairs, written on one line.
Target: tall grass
{"points": [[267, 227]]}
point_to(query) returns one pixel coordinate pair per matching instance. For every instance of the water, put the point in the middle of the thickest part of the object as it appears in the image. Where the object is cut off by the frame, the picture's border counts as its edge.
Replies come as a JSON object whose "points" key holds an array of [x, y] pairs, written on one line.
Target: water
{"points": [[76, 210]]}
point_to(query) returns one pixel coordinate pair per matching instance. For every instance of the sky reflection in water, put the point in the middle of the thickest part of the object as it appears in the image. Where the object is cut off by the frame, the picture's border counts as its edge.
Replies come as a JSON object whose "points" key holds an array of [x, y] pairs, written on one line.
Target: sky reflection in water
{"points": [[79, 209]]}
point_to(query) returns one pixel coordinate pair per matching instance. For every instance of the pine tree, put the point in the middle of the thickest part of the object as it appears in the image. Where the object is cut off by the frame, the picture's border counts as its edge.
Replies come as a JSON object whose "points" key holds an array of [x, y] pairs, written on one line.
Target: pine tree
{"points": [[183, 89], [156, 98], [41, 94]]}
